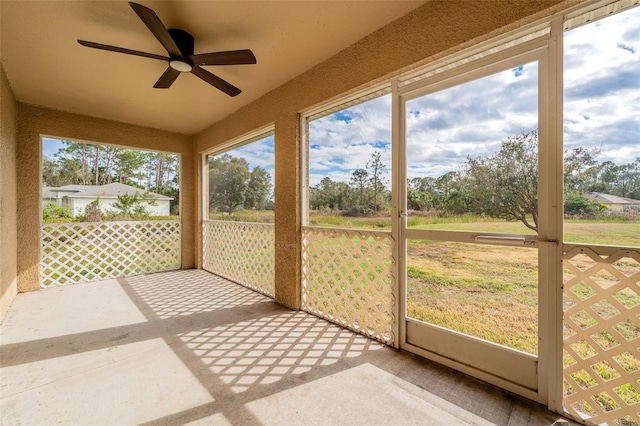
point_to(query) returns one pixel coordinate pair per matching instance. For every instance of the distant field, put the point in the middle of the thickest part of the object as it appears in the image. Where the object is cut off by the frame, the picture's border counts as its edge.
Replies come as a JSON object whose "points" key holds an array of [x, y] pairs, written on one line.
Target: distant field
{"points": [[591, 232], [263, 216], [575, 231], [619, 234]]}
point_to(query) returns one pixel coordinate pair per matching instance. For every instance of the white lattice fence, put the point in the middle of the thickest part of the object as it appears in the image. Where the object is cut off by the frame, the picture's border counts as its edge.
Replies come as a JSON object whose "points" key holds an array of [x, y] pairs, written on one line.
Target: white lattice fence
{"points": [[242, 252], [601, 337], [347, 279], [90, 251]]}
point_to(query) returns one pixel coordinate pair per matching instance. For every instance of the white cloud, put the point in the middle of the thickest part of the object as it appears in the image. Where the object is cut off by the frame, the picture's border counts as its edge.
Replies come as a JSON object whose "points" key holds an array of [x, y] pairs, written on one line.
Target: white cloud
{"points": [[601, 109], [343, 142], [602, 87], [337, 176], [470, 119], [259, 153]]}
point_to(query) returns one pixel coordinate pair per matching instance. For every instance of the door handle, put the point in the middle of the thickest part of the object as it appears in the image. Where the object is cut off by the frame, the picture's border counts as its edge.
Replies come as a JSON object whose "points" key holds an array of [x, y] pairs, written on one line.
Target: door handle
{"points": [[511, 241]]}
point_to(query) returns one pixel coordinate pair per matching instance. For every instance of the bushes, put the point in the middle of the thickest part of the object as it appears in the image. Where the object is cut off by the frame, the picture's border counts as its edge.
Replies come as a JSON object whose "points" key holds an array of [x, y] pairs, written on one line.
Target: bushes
{"points": [[92, 212], [128, 207], [576, 204], [53, 213]]}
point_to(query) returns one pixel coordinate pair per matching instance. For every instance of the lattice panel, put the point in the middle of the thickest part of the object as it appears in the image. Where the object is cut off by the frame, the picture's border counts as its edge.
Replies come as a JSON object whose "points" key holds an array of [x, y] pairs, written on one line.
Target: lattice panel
{"points": [[91, 251], [242, 252], [347, 279], [601, 336]]}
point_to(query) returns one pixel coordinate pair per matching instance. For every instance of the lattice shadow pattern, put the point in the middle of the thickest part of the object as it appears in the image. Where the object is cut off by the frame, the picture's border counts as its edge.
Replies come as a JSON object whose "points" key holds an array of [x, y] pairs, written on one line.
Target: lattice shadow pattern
{"points": [[601, 330], [347, 279], [250, 352], [189, 292], [91, 251], [266, 350], [241, 252]]}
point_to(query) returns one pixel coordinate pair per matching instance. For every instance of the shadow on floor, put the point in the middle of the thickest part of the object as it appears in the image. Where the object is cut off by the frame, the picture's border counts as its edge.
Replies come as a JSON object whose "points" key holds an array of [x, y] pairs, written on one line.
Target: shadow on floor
{"points": [[188, 347]]}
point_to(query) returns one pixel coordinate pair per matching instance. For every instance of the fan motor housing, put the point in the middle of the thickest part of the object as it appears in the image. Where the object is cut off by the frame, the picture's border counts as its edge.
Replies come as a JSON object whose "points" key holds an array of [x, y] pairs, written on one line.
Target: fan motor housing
{"points": [[184, 40]]}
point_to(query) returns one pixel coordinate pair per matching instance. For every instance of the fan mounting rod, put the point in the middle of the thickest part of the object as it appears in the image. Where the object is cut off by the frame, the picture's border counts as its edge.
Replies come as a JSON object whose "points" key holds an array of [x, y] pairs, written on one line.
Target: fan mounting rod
{"points": [[183, 40]]}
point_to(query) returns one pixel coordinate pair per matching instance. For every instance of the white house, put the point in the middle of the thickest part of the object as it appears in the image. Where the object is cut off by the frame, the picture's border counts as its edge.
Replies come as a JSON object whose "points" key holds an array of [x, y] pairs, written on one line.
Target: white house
{"points": [[77, 197], [615, 203]]}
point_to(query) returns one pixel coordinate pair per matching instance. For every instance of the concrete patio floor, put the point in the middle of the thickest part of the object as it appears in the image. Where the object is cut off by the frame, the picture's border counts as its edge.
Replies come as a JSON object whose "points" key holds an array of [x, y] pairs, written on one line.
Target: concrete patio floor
{"points": [[187, 347]]}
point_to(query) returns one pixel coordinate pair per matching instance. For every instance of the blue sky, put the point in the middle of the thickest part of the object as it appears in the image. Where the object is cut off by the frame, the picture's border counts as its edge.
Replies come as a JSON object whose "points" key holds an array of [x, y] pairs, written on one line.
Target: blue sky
{"points": [[260, 153], [602, 109], [470, 119], [50, 147]]}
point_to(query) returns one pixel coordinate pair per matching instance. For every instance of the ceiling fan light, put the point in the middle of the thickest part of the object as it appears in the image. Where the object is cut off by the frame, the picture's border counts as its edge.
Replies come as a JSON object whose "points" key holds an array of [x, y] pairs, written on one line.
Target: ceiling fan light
{"points": [[179, 45], [179, 65]]}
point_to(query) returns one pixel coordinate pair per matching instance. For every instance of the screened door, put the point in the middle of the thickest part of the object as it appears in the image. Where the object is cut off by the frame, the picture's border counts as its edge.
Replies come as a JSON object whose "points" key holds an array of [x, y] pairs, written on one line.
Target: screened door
{"points": [[469, 236]]}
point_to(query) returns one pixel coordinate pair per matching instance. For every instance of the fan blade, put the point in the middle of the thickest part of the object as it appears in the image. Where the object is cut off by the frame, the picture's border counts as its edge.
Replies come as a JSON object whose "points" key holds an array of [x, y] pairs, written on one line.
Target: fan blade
{"points": [[158, 29], [232, 57], [121, 50], [216, 81], [167, 78]]}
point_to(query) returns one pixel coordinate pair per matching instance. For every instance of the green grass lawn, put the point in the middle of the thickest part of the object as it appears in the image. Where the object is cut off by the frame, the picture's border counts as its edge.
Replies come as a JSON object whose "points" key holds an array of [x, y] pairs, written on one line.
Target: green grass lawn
{"points": [[486, 291], [262, 216], [381, 223], [618, 234]]}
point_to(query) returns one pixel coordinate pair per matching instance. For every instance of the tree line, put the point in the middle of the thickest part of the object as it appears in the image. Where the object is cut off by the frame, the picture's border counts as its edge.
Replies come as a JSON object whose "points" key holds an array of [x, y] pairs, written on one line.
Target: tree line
{"points": [[502, 185], [234, 186], [365, 194], [78, 163]]}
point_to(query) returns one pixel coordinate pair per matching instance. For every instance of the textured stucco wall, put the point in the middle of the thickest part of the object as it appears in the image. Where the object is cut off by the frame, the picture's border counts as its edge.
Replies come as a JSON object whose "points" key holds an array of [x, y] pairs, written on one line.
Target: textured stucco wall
{"points": [[8, 196], [433, 31], [34, 121]]}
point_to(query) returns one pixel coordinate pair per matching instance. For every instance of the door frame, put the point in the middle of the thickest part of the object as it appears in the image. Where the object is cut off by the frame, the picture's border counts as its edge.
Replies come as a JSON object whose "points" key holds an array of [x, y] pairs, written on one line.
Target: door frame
{"points": [[546, 368]]}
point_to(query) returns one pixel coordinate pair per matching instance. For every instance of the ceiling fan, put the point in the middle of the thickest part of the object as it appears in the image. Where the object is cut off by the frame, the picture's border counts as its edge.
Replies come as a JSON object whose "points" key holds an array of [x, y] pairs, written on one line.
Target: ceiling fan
{"points": [[180, 45]]}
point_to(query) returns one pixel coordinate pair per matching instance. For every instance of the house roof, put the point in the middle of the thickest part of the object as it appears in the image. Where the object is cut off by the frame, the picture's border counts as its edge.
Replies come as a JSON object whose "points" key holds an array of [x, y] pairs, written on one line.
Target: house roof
{"points": [[111, 190], [47, 193], [70, 188], [609, 199]]}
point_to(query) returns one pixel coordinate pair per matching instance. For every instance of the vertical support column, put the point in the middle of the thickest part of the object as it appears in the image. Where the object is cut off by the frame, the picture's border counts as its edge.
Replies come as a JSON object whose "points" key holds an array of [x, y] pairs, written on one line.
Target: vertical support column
{"points": [[188, 211], [556, 120], [551, 210], [288, 211], [201, 207], [8, 196], [398, 213], [28, 165]]}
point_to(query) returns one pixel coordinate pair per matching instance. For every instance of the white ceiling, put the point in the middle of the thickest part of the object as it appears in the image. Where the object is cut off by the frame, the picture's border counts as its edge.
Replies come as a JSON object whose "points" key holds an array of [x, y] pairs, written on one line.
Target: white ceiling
{"points": [[46, 66]]}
